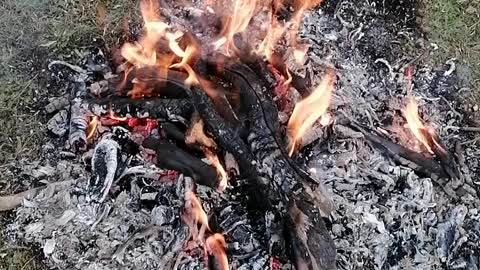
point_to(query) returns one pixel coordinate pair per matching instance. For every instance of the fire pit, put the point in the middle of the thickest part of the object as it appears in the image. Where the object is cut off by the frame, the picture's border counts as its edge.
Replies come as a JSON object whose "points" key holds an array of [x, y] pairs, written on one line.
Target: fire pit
{"points": [[251, 135]]}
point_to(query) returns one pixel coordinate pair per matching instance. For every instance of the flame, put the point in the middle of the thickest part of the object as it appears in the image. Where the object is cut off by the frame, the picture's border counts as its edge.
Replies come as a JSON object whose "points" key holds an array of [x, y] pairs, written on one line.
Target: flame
{"points": [[92, 127], [190, 52], [307, 111], [243, 12], [300, 6], [426, 136], [143, 53], [213, 158], [423, 134], [215, 245], [112, 116], [195, 215]]}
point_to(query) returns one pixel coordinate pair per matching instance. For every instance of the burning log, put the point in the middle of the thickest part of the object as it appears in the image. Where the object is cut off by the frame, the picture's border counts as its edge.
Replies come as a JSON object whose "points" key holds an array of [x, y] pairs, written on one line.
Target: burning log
{"points": [[172, 157], [300, 203]]}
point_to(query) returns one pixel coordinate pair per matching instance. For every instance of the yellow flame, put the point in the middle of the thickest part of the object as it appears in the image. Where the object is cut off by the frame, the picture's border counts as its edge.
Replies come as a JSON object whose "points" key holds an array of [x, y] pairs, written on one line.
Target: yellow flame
{"points": [[423, 134], [243, 12], [307, 111]]}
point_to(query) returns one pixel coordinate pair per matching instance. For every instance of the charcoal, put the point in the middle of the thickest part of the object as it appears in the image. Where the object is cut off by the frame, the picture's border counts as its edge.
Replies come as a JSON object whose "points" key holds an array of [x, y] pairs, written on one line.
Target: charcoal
{"points": [[171, 157], [171, 109]]}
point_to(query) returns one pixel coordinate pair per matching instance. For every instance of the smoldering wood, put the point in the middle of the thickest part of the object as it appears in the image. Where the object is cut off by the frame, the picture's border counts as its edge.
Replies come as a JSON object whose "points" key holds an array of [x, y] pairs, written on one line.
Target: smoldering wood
{"points": [[106, 167], [171, 157], [404, 156], [156, 108], [300, 203], [79, 117]]}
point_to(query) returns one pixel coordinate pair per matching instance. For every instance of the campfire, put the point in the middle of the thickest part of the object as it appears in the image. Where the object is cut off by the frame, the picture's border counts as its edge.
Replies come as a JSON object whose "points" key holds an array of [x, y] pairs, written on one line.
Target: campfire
{"points": [[206, 122]]}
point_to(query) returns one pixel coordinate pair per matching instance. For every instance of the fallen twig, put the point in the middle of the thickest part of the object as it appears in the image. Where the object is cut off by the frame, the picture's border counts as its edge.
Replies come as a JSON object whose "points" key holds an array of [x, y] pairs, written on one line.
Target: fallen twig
{"points": [[12, 201]]}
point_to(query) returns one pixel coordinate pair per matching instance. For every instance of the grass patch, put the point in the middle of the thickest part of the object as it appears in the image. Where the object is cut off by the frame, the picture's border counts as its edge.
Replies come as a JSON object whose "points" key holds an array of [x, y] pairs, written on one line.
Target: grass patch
{"points": [[454, 25]]}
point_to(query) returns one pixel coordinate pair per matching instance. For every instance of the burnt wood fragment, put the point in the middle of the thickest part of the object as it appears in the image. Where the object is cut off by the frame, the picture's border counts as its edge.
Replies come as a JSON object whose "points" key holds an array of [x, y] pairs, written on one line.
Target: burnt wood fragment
{"points": [[301, 204], [404, 156], [171, 157], [79, 118], [156, 108], [107, 164]]}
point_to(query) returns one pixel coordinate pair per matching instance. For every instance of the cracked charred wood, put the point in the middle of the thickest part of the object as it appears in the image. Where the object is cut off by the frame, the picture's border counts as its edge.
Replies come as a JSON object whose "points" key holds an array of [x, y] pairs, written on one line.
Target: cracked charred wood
{"points": [[224, 134], [107, 164], [156, 108], [301, 204], [404, 156], [79, 118], [169, 156], [152, 81]]}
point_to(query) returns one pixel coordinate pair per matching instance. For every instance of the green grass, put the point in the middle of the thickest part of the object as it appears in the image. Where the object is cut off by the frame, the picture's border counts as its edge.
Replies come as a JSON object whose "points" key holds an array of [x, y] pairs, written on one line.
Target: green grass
{"points": [[454, 25]]}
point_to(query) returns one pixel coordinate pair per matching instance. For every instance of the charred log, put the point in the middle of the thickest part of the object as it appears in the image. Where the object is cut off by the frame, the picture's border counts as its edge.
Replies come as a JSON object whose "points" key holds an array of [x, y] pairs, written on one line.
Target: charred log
{"points": [[157, 108], [300, 204], [171, 157]]}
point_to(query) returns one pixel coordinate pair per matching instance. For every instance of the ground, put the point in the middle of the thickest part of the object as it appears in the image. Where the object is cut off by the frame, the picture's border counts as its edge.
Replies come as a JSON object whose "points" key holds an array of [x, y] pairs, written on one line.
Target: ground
{"points": [[36, 31]]}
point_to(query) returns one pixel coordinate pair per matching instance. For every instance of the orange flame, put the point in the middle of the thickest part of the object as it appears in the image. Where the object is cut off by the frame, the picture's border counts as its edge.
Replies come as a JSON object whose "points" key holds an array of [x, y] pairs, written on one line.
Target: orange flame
{"points": [[307, 111], [426, 136], [215, 245], [194, 215], [213, 158], [243, 12], [92, 127], [423, 134]]}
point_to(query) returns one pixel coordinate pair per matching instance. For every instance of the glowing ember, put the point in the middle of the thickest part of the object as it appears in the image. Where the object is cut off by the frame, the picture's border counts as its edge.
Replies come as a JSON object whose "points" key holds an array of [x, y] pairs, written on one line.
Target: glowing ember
{"points": [[307, 111], [92, 127], [215, 245]]}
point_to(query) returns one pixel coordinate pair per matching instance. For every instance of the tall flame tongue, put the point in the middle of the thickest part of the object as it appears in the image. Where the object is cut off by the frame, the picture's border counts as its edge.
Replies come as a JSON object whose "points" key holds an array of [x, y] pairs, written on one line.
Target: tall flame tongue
{"points": [[426, 136], [243, 12], [307, 111]]}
